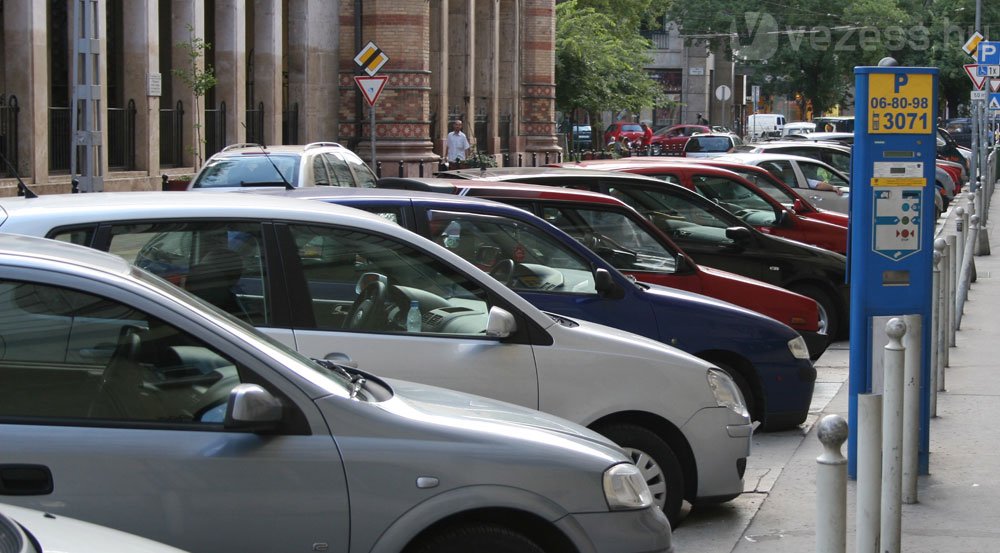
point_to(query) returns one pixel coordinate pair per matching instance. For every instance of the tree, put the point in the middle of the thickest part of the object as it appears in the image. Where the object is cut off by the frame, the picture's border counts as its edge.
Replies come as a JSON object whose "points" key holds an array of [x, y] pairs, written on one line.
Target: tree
{"points": [[599, 63], [200, 78]]}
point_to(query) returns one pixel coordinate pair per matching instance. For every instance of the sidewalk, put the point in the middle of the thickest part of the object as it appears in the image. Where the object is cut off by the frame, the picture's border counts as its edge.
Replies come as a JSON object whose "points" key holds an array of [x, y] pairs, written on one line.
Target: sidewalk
{"points": [[959, 502]]}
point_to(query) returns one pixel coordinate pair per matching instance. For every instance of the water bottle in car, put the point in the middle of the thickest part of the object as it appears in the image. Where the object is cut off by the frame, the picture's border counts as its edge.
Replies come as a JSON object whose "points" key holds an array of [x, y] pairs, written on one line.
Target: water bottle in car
{"points": [[414, 322]]}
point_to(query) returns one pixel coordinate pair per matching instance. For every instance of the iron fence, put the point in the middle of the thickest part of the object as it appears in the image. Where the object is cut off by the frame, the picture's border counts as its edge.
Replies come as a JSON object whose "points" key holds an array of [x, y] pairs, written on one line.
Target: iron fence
{"points": [[172, 136], [215, 129], [290, 125], [255, 124], [121, 137], [8, 132], [60, 139]]}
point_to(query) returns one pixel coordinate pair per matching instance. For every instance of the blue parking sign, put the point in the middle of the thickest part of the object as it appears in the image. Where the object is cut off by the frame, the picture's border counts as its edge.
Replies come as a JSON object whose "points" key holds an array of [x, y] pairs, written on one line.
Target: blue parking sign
{"points": [[988, 53]]}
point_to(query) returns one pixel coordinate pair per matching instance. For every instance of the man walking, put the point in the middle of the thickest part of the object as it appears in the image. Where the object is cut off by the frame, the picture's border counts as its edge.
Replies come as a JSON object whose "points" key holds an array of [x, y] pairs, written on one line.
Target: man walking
{"points": [[458, 144]]}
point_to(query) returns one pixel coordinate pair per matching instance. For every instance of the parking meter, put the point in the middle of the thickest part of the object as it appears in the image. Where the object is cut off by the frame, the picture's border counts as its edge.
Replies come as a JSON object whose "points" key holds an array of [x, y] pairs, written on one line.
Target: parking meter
{"points": [[891, 251]]}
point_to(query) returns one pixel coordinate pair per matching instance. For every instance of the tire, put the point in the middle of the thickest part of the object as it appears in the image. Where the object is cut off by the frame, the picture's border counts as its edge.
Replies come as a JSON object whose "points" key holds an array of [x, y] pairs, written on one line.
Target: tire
{"points": [[752, 399], [477, 537], [656, 460], [828, 310]]}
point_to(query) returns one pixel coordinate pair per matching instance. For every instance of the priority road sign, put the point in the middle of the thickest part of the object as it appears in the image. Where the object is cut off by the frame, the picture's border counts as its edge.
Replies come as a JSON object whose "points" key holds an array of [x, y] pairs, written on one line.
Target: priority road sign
{"points": [[971, 45], [988, 53], [371, 58], [977, 80], [371, 87]]}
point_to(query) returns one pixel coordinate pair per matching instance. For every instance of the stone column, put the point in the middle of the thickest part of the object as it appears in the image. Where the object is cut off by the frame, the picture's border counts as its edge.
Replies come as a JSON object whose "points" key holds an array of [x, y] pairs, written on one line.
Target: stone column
{"points": [[470, 73], [26, 72], [441, 74], [493, 132], [538, 79], [187, 23], [268, 51], [231, 65], [313, 56], [142, 60]]}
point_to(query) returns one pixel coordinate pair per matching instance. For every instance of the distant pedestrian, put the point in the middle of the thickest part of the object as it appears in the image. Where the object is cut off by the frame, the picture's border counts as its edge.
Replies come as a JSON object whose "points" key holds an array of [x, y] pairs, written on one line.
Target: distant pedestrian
{"points": [[647, 135], [701, 120], [458, 144]]}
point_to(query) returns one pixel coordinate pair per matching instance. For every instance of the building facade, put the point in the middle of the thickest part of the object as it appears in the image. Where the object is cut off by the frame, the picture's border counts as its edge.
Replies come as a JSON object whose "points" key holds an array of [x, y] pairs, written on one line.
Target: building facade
{"points": [[285, 74]]}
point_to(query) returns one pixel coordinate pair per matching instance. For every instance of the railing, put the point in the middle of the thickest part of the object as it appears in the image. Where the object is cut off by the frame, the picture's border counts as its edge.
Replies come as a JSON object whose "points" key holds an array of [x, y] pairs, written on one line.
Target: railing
{"points": [[255, 124], [121, 137], [215, 129], [8, 132], [290, 125], [60, 139], [504, 131], [172, 136], [660, 39]]}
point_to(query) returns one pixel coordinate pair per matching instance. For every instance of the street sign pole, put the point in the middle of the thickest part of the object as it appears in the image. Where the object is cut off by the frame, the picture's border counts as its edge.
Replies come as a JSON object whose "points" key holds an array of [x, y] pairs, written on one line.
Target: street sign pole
{"points": [[371, 58], [371, 111]]}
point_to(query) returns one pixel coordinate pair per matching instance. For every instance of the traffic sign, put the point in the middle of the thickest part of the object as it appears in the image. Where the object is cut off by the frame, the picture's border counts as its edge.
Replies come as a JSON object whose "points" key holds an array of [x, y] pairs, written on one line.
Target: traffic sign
{"points": [[977, 80], [371, 87], [972, 44], [988, 53], [994, 85], [723, 93], [988, 70], [978, 95], [994, 101], [371, 58]]}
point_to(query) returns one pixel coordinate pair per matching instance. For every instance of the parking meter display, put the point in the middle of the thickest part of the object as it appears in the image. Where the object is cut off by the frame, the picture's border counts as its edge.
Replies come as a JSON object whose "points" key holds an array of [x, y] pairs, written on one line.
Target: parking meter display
{"points": [[900, 103]]}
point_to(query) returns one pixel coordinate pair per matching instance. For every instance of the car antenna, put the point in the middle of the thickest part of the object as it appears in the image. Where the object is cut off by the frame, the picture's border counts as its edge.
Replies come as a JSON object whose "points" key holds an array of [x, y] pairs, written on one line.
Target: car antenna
{"points": [[288, 185], [22, 189]]}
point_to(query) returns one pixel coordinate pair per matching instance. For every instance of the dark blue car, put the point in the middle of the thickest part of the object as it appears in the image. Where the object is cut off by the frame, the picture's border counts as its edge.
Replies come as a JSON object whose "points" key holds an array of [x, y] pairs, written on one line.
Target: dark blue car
{"points": [[767, 359]]}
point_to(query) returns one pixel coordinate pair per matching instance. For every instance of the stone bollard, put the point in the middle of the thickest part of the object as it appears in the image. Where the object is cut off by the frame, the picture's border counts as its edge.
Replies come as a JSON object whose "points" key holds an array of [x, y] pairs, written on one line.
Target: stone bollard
{"points": [[936, 340], [892, 438], [831, 487], [869, 488]]}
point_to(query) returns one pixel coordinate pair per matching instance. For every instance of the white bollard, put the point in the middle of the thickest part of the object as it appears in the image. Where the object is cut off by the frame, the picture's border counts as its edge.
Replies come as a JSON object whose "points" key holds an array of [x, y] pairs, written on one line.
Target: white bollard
{"points": [[892, 438], [831, 487], [911, 406], [869, 487], [935, 322], [952, 278]]}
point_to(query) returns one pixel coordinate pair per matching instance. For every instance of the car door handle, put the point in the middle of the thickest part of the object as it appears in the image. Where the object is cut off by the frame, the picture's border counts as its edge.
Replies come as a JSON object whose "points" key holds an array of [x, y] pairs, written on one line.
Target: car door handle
{"points": [[25, 480], [341, 359]]}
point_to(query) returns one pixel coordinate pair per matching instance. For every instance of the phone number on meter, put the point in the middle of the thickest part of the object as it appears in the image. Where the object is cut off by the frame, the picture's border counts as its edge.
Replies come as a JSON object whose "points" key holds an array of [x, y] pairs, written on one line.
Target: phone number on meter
{"points": [[899, 121], [900, 102]]}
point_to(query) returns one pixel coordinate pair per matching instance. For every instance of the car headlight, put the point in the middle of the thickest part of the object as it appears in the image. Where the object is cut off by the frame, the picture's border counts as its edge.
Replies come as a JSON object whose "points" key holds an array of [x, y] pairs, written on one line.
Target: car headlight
{"points": [[625, 488], [798, 348], [726, 393]]}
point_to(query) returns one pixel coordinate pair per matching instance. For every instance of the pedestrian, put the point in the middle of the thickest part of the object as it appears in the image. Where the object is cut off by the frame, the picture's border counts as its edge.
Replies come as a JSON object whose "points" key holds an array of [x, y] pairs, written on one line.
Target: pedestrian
{"points": [[701, 120], [647, 135], [458, 144]]}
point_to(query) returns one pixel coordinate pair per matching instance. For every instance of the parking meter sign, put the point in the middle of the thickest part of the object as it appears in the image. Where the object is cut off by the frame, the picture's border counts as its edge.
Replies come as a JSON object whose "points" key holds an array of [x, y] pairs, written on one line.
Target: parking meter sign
{"points": [[900, 103]]}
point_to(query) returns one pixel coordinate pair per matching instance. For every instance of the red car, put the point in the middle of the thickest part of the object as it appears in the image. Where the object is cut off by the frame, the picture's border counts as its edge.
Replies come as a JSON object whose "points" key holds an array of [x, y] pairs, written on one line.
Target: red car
{"points": [[622, 129], [636, 247], [736, 194]]}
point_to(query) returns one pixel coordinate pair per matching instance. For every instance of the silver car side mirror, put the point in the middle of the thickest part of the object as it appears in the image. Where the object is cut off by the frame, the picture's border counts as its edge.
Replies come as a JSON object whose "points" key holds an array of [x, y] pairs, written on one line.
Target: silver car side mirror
{"points": [[500, 323], [251, 407]]}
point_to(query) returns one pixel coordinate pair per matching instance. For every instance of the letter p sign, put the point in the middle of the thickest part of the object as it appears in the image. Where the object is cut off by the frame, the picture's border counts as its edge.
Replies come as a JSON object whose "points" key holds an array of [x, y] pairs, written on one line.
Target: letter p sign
{"points": [[989, 53], [899, 81]]}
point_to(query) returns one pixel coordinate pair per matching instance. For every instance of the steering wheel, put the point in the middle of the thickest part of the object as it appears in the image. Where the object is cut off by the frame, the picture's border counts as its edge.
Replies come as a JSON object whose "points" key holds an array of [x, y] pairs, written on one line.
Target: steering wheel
{"points": [[368, 307], [503, 271]]}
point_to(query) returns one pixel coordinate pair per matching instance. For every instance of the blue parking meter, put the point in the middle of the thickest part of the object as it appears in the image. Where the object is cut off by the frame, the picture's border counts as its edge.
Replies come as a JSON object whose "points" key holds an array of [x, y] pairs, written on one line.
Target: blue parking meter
{"points": [[892, 225]]}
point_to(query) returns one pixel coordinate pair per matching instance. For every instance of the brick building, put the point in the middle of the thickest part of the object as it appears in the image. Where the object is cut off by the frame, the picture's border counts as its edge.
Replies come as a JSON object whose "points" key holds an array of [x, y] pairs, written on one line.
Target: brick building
{"points": [[285, 73]]}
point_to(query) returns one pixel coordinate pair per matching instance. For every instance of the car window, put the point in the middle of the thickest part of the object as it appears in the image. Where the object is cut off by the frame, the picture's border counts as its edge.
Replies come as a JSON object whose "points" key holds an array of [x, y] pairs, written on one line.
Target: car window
{"points": [[672, 179], [620, 241], [220, 262], [70, 355], [321, 177], [363, 176], [735, 198], [840, 161], [675, 215], [631, 128], [782, 170], [358, 281], [817, 172], [340, 173], [515, 253], [248, 169], [767, 186], [708, 144]]}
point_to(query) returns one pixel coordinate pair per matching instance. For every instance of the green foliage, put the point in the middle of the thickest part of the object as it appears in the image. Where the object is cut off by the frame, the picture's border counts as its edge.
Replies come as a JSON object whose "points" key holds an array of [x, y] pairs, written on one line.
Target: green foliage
{"points": [[599, 61], [200, 78]]}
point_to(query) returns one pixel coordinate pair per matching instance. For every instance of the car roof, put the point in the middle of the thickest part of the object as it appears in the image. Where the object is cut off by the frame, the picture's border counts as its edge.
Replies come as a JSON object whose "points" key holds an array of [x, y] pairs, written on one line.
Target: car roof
{"points": [[13, 246], [803, 144], [748, 157], [504, 189], [684, 164], [250, 148], [513, 173]]}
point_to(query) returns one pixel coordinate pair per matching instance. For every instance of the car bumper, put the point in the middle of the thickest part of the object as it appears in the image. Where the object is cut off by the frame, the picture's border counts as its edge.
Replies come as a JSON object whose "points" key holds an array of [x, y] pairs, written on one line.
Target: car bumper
{"points": [[720, 442], [642, 531]]}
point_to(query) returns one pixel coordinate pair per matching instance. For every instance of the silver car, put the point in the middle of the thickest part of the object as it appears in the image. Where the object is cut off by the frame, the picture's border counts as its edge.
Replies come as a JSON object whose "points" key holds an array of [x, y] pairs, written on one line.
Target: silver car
{"points": [[127, 403], [337, 283]]}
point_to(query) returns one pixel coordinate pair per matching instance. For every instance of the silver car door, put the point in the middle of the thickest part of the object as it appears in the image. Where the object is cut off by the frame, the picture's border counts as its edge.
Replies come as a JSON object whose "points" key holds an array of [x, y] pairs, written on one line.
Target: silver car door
{"points": [[807, 171], [134, 441]]}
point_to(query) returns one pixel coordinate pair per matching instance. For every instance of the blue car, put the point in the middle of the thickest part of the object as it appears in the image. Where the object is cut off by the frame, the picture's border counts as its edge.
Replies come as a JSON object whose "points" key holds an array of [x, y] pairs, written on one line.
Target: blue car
{"points": [[767, 359]]}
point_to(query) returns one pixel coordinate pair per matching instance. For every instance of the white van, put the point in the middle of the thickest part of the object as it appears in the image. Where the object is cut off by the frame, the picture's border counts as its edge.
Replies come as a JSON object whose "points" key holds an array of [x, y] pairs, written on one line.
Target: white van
{"points": [[761, 125]]}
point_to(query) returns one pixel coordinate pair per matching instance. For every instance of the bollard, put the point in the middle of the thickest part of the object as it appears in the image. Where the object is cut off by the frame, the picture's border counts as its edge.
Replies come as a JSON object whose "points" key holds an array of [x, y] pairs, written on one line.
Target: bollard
{"points": [[546, 158], [506, 160], [421, 168], [952, 278], [869, 488], [911, 406], [520, 159], [534, 159], [966, 272], [890, 532], [831, 487], [378, 169], [164, 186], [400, 168], [935, 323], [982, 236]]}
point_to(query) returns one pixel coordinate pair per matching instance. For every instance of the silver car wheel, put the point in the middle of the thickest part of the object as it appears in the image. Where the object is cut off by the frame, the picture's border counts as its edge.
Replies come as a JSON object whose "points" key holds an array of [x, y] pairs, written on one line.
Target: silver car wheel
{"points": [[651, 473]]}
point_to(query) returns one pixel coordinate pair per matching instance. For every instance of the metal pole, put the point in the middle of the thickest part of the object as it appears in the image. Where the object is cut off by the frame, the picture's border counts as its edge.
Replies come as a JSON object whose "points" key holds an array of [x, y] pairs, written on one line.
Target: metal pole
{"points": [[869, 488], [371, 111], [965, 276], [936, 327], [911, 406], [892, 438], [951, 278], [831, 487]]}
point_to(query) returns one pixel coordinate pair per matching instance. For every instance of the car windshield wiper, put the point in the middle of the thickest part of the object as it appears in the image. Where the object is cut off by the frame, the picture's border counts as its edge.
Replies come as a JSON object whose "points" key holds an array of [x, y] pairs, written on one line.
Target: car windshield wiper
{"points": [[356, 380]]}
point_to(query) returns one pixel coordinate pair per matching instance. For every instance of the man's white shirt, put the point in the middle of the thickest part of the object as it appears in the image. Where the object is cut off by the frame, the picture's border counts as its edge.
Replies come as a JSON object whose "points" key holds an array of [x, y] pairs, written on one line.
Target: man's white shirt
{"points": [[457, 145]]}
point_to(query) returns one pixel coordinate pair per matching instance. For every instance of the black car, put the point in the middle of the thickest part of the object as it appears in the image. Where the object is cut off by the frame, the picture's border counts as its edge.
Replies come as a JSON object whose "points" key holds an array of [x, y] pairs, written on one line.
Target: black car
{"points": [[711, 235], [960, 129]]}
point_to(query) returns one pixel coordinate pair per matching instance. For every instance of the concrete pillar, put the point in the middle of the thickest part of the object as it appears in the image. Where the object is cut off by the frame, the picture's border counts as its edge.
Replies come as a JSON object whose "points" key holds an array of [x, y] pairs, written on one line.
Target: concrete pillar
{"points": [[26, 72], [514, 78], [142, 62], [695, 83], [439, 80], [469, 90], [187, 23], [493, 132], [314, 27], [231, 65], [268, 66], [538, 76]]}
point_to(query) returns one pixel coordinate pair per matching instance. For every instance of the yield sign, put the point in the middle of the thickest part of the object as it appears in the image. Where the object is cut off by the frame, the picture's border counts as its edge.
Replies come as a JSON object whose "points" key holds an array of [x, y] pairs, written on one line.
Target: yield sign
{"points": [[994, 85], [971, 70], [371, 87]]}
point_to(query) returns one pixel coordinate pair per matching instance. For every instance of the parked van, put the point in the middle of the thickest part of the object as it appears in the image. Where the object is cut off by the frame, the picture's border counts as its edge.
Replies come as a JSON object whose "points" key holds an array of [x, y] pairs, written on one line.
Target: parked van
{"points": [[760, 125]]}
